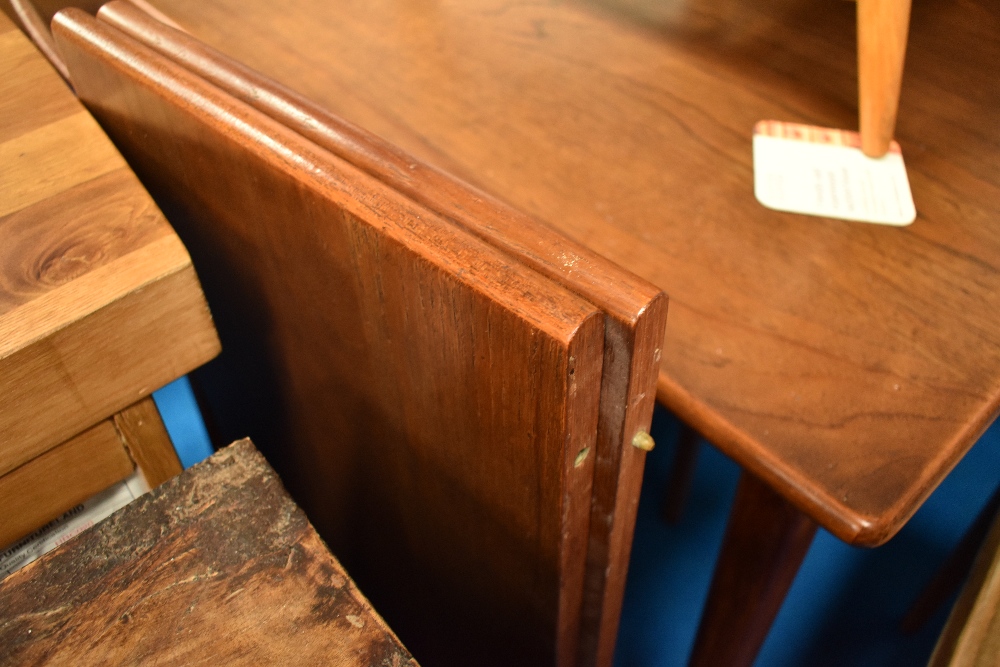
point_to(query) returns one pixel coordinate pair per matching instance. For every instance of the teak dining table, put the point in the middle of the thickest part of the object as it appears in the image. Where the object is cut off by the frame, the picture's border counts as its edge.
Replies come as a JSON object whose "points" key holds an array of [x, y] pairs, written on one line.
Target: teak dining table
{"points": [[846, 367]]}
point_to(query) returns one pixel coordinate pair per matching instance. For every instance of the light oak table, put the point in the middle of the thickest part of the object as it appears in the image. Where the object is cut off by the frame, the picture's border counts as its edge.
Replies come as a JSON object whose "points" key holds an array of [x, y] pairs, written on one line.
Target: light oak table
{"points": [[217, 566], [99, 303], [846, 367]]}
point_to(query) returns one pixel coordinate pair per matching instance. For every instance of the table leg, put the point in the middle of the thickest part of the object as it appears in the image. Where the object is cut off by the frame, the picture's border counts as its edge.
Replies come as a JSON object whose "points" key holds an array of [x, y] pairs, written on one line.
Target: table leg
{"points": [[765, 542], [681, 475]]}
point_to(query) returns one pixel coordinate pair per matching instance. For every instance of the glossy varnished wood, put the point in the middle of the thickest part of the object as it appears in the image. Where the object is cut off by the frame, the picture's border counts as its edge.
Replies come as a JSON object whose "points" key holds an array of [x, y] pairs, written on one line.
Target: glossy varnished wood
{"points": [[849, 366], [99, 302], [635, 310], [216, 567], [431, 403]]}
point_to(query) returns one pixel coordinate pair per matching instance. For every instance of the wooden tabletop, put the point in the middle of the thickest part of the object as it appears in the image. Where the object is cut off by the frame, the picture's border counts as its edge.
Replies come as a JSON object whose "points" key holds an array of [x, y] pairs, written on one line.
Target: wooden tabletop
{"points": [[99, 302], [848, 365], [216, 567]]}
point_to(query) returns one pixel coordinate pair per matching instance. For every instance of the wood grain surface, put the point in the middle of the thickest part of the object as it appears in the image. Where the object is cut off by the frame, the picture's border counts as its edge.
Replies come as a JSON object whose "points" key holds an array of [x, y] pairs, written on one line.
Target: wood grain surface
{"points": [[99, 302], [849, 366], [431, 403], [635, 311], [43, 488], [216, 567], [145, 437]]}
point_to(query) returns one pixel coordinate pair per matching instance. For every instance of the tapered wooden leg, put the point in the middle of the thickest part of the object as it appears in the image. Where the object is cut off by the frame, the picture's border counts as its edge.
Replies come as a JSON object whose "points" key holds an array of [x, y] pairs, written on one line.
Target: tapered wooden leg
{"points": [[882, 30], [681, 475], [765, 542]]}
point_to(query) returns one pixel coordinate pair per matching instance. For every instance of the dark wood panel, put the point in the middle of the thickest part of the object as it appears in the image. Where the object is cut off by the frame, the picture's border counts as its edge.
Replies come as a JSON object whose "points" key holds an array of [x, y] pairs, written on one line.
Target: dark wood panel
{"points": [[218, 566], [849, 366], [430, 402], [635, 310]]}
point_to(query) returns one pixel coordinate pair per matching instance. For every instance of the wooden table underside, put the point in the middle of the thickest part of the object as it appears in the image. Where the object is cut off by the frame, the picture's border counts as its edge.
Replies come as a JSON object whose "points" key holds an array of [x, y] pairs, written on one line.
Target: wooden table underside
{"points": [[847, 365]]}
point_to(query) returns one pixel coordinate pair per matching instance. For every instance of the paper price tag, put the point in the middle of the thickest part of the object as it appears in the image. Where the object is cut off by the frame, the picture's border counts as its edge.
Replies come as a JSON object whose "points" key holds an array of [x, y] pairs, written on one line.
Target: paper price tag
{"points": [[821, 171]]}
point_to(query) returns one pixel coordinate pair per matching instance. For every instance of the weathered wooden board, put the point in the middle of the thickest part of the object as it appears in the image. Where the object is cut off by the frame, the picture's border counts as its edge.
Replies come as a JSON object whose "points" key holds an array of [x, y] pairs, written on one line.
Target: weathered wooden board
{"points": [[431, 403], [635, 311], [216, 567], [99, 302]]}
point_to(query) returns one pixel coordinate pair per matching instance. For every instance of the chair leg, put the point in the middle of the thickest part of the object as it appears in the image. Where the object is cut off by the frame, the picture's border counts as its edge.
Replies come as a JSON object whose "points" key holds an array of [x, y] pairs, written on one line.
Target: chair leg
{"points": [[954, 570], [765, 543], [882, 30], [681, 475]]}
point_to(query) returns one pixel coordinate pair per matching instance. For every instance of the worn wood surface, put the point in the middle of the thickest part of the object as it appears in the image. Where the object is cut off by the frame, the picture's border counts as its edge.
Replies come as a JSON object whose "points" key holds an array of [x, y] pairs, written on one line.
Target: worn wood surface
{"points": [[847, 365], [635, 310], [99, 302], [431, 403], [34, 493], [971, 637], [147, 441], [882, 29], [218, 566], [765, 542]]}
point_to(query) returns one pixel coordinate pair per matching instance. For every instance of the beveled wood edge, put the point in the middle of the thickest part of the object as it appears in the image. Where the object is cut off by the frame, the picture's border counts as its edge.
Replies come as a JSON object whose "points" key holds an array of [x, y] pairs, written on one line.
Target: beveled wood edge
{"points": [[608, 570], [619, 292], [290, 153], [583, 392], [826, 509]]}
